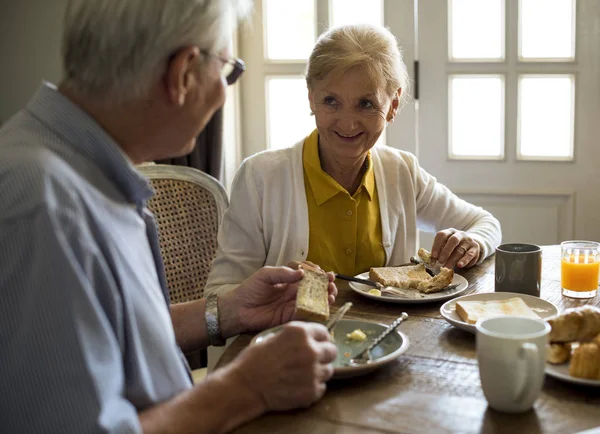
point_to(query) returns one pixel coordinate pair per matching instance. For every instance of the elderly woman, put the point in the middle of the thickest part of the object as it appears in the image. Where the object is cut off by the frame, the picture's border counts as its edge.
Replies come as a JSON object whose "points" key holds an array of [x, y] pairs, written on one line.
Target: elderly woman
{"points": [[336, 198]]}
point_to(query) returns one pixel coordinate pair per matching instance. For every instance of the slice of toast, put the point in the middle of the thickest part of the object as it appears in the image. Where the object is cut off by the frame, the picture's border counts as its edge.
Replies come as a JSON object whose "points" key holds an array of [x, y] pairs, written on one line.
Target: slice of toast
{"points": [[472, 311], [412, 277], [312, 299], [401, 277], [438, 282], [425, 256]]}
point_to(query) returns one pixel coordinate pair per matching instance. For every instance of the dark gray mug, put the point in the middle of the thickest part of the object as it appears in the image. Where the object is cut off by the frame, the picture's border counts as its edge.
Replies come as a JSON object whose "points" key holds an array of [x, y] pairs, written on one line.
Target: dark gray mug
{"points": [[518, 268]]}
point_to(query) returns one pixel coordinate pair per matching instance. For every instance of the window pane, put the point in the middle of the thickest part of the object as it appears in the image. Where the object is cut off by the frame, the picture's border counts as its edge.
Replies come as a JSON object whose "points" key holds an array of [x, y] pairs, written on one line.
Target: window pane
{"points": [[476, 116], [288, 111], [290, 28], [476, 29], [546, 29], [546, 117], [356, 12]]}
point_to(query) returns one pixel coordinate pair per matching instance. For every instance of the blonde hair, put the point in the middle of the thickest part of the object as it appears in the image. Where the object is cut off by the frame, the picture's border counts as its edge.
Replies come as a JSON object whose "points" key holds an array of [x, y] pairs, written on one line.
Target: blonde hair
{"points": [[373, 48]]}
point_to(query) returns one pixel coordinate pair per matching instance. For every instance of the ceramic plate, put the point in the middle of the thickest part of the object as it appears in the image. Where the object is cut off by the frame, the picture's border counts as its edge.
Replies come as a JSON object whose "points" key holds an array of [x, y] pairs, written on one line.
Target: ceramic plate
{"points": [[540, 306], [561, 372], [392, 346], [412, 295]]}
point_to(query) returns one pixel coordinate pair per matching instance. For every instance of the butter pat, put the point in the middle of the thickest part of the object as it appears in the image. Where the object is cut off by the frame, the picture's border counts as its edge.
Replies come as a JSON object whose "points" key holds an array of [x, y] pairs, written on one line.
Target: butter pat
{"points": [[312, 299], [374, 291], [357, 335]]}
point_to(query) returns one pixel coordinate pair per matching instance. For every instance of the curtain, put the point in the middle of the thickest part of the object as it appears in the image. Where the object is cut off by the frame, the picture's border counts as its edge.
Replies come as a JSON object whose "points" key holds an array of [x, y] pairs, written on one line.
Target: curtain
{"points": [[207, 156]]}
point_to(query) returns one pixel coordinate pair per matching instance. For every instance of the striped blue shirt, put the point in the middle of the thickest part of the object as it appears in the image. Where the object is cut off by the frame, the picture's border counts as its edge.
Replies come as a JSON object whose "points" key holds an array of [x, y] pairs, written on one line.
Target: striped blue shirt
{"points": [[86, 339]]}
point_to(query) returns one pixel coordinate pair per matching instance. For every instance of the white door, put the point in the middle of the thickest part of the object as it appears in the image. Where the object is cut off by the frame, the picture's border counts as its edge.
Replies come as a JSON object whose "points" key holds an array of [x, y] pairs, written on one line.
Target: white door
{"points": [[509, 110]]}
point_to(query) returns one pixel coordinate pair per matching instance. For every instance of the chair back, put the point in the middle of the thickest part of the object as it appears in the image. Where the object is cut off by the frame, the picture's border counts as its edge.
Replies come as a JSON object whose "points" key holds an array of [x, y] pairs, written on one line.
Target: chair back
{"points": [[188, 206]]}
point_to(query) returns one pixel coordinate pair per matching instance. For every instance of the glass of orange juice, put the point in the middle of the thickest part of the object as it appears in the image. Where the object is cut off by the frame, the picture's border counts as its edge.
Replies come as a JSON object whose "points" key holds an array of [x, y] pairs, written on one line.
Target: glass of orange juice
{"points": [[580, 263]]}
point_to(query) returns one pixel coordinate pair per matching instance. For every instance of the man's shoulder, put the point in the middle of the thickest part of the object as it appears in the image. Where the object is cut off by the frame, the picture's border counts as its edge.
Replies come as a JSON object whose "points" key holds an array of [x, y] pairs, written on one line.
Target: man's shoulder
{"points": [[32, 174]]}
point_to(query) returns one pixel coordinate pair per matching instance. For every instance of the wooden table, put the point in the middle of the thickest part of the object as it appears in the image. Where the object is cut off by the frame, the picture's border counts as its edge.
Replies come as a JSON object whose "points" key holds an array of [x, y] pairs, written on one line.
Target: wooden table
{"points": [[434, 386]]}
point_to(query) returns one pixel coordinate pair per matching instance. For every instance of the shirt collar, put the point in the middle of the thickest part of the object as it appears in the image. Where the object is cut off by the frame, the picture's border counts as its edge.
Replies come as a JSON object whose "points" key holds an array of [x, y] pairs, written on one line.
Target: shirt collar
{"points": [[324, 187], [86, 136]]}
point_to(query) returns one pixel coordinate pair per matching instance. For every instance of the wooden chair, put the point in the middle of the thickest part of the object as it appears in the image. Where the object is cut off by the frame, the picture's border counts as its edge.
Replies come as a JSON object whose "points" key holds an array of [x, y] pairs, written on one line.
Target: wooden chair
{"points": [[188, 206]]}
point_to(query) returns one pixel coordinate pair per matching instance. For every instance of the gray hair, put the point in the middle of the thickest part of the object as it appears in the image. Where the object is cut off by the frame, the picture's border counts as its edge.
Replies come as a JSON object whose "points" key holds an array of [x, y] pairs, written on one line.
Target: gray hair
{"points": [[372, 47], [114, 50]]}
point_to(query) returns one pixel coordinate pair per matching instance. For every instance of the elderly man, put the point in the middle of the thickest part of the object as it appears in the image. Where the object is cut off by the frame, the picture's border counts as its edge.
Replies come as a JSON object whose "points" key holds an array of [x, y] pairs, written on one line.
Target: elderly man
{"points": [[87, 341]]}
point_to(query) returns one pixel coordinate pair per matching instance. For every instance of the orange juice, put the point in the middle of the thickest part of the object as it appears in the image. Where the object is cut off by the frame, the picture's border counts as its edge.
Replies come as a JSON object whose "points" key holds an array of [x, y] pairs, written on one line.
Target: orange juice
{"points": [[579, 276]]}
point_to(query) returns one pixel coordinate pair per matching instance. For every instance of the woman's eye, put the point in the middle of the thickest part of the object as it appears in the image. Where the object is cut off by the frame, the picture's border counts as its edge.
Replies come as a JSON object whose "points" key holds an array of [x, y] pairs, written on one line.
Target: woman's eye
{"points": [[366, 104], [329, 100]]}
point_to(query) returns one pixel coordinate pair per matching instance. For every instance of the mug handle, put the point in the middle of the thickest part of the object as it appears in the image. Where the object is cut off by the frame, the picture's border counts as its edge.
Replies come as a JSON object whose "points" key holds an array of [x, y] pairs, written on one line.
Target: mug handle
{"points": [[528, 352]]}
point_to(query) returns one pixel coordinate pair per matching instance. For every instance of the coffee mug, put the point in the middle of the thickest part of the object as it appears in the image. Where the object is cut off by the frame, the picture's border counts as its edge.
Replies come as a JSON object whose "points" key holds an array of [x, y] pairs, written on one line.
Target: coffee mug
{"points": [[519, 268], [511, 352]]}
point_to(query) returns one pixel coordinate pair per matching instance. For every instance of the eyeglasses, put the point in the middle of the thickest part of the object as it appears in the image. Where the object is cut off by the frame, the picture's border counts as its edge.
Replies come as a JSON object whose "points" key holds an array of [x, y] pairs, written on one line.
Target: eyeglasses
{"points": [[232, 68]]}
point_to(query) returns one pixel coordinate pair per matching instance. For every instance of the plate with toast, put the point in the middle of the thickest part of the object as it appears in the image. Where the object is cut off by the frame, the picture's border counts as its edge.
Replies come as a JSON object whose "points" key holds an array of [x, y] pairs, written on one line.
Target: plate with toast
{"points": [[410, 283], [574, 350], [463, 312]]}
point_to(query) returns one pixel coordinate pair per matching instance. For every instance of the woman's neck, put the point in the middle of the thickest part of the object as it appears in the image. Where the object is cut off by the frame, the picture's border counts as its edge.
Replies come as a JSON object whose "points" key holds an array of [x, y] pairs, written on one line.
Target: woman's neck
{"points": [[347, 172]]}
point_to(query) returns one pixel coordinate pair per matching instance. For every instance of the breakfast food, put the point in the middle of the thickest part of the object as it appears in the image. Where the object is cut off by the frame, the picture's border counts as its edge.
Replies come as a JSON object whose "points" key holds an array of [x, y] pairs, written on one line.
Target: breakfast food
{"points": [[437, 283], [578, 330], [312, 299], [357, 335], [585, 361], [578, 324], [412, 277], [425, 256], [374, 291], [473, 311], [558, 353]]}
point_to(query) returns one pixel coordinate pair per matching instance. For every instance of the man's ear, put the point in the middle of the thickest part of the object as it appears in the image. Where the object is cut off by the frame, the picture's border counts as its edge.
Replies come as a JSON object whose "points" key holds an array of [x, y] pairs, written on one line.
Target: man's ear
{"points": [[179, 77]]}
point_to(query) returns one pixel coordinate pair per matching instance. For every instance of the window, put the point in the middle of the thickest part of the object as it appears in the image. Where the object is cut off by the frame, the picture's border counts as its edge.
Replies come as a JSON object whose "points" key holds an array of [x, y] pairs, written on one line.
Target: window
{"points": [[275, 99]]}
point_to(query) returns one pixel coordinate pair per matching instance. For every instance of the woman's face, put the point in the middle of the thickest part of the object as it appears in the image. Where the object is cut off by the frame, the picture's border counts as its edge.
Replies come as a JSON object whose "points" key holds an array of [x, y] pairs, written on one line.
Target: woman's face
{"points": [[351, 111]]}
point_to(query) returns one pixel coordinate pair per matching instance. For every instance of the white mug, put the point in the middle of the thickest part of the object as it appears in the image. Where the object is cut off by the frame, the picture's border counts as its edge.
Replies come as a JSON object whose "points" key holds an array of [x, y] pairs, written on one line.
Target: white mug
{"points": [[511, 352]]}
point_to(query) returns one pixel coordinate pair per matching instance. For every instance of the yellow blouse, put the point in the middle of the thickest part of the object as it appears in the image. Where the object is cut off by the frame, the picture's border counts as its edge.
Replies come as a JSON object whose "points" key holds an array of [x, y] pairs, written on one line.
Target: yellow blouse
{"points": [[344, 230]]}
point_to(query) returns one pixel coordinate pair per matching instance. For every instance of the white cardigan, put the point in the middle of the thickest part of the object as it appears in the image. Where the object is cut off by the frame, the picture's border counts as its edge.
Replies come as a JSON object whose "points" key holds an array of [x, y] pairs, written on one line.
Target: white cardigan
{"points": [[267, 220]]}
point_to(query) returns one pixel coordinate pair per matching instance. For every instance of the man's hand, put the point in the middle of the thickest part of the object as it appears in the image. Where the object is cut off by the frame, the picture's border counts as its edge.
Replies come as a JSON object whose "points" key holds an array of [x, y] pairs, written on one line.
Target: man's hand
{"points": [[288, 370], [452, 247], [267, 298]]}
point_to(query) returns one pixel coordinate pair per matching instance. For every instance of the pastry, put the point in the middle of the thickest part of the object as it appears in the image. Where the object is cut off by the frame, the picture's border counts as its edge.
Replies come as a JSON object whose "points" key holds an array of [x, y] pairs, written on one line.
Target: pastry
{"points": [[585, 361], [558, 354], [580, 324]]}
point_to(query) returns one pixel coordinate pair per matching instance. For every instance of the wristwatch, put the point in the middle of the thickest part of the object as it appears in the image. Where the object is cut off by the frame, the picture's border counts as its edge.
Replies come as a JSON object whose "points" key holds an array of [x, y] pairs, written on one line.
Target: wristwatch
{"points": [[211, 315]]}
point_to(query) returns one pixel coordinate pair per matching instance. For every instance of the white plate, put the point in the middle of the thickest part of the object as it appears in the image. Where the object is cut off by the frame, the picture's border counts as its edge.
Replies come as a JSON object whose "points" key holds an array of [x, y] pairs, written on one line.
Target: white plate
{"points": [[412, 295], [561, 372], [540, 306], [386, 352]]}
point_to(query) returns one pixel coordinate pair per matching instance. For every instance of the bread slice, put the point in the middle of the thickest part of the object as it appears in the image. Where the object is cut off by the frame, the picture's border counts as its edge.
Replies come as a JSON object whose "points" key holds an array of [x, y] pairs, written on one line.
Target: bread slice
{"points": [[438, 282], [401, 277], [425, 256], [472, 311], [412, 277], [312, 299]]}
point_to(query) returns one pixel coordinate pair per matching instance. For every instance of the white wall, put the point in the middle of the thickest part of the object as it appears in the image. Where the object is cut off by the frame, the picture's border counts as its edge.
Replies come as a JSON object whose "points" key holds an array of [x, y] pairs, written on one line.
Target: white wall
{"points": [[30, 32]]}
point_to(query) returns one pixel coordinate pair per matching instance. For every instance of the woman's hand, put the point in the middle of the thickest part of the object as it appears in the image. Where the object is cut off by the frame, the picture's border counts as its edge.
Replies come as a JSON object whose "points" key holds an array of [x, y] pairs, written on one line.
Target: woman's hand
{"points": [[452, 247]]}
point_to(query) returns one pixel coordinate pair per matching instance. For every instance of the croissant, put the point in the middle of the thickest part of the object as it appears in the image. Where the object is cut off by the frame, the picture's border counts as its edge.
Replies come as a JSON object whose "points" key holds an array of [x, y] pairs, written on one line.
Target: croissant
{"points": [[579, 324], [585, 361]]}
